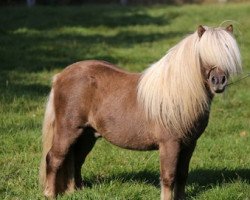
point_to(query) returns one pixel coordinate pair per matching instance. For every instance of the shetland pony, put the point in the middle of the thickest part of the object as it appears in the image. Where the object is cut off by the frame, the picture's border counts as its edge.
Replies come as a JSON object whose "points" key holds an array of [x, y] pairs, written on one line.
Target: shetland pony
{"points": [[164, 108]]}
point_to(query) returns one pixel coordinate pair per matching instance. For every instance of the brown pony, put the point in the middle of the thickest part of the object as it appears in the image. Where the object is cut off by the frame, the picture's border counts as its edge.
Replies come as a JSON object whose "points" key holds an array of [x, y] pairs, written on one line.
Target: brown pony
{"points": [[165, 108]]}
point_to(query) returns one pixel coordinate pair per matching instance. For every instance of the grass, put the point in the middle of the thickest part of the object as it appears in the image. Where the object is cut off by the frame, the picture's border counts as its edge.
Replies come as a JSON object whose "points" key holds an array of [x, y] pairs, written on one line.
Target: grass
{"points": [[39, 42]]}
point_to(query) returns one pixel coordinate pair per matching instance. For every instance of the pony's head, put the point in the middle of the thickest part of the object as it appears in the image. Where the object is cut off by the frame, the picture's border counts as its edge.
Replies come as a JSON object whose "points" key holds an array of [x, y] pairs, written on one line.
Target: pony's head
{"points": [[219, 56], [176, 90]]}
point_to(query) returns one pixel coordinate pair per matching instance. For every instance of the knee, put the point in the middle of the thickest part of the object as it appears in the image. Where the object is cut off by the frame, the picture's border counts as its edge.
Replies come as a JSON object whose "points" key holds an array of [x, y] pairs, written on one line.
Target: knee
{"points": [[53, 161], [168, 179]]}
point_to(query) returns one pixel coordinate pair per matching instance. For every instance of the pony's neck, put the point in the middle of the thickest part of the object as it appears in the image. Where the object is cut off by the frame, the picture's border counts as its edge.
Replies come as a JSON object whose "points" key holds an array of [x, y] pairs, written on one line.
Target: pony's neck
{"points": [[172, 90]]}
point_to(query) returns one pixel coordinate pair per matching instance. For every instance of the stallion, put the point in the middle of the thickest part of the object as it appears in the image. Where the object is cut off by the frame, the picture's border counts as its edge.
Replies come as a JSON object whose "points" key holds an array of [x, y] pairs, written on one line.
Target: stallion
{"points": [[165, 108]]}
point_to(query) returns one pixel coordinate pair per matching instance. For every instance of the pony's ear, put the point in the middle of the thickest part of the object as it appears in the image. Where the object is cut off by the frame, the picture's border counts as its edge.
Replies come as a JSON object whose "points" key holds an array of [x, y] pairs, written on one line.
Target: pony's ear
{"points": [[230, 28], [200, 30]]}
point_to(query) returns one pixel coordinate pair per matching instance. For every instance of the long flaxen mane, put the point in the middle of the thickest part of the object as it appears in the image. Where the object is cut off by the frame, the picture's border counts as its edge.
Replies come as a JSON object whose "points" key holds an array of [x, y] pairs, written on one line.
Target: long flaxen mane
{"points": [[172, 91]]}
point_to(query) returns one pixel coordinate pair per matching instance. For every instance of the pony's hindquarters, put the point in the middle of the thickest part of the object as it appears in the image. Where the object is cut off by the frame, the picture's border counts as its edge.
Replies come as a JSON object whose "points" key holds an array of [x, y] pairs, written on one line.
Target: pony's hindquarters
{"points": [[65, 176], [63, 155]]}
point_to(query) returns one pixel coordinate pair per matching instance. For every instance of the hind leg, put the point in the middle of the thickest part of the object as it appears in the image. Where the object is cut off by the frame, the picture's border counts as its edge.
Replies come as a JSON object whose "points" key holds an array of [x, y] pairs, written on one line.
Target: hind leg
{"points": [[64, 137], [65, 180], [83, 146]]}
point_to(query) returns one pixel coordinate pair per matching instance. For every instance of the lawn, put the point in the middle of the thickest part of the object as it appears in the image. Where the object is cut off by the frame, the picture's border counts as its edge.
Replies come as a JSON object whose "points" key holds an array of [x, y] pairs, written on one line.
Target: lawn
{"points": [[39, 42]]}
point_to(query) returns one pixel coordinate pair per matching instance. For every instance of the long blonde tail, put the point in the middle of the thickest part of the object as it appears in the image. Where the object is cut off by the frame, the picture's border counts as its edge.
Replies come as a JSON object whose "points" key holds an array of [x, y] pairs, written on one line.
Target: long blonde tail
{"points": [[48, 134]]}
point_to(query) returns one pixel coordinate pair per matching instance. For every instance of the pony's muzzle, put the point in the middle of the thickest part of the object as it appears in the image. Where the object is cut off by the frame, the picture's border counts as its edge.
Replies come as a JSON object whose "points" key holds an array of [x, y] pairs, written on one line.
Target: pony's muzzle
{"points": [[218, 82]]}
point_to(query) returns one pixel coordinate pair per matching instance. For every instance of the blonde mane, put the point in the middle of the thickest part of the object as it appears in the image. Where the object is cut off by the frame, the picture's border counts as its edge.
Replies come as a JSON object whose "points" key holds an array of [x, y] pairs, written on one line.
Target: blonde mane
{"points": [[172, 91]]}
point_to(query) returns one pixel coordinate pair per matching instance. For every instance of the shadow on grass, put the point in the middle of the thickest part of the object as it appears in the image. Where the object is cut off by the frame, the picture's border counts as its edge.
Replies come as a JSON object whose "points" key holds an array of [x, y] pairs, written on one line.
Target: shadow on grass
{"points": [[29, 91], [35, 53], [44, 18], [145, 176], [204, 178], [22, 49]]}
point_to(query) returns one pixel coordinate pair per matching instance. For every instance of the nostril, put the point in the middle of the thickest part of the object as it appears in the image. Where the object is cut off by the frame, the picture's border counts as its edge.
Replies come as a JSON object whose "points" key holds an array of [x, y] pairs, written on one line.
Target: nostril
{"points": [[214, 80], [223, 80]]}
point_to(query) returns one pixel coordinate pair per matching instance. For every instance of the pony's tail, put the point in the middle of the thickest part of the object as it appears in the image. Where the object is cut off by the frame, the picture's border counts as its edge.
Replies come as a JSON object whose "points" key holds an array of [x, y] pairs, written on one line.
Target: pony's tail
{"points": [[47, 136]]}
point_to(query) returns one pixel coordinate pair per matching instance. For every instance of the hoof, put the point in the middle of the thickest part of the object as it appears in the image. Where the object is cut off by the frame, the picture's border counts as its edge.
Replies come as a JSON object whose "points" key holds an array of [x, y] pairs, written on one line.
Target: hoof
{"points": [[79, 185], [49, 194], [70, 189]]}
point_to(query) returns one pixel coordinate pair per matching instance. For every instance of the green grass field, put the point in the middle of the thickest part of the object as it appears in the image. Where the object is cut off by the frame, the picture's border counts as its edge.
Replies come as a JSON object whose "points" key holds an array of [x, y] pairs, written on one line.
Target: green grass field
{"points": [[39, 42]]}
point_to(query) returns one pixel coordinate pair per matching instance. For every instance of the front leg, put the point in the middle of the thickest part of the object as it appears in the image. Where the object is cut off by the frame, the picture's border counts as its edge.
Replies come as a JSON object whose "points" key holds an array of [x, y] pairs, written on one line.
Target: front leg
{"points": [[182, 171], [169, 152]]}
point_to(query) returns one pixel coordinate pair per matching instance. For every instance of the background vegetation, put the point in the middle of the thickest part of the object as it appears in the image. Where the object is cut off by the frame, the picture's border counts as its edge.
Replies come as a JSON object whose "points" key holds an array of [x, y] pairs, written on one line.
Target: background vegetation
{"points": [[122, 2], [39, 42]]}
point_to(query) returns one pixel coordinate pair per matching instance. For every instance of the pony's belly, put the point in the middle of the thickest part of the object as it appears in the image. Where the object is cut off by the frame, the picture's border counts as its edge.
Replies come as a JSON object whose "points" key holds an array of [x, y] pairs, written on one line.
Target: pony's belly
{"points": [[132, 141]]}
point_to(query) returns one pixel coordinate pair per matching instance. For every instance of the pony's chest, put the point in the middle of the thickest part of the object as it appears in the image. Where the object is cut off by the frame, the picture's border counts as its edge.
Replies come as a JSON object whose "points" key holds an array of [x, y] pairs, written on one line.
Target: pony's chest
{"points": [[199, 127]]}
